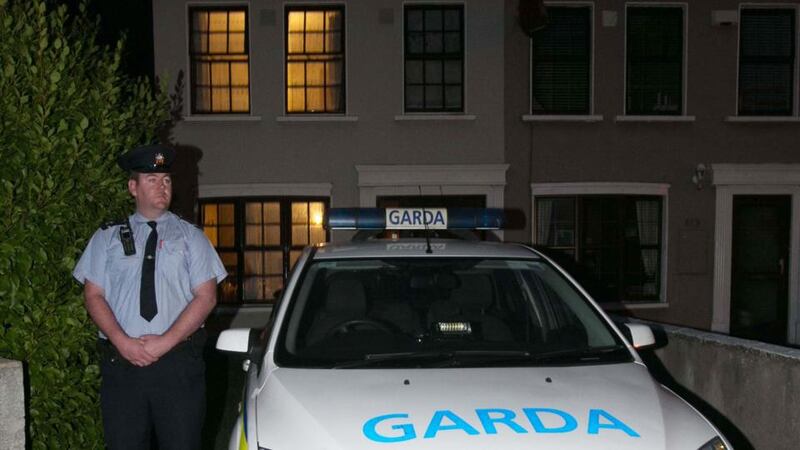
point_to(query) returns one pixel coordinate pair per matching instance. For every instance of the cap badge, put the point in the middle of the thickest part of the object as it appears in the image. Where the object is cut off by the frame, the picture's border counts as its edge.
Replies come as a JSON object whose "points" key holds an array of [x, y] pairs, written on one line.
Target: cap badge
{"points": [[159, 160]]}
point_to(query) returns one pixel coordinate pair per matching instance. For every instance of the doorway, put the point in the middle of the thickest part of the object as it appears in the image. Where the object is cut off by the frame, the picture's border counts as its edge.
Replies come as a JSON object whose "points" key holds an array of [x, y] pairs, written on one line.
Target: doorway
{"points": [[431, 201], [760, 267]]}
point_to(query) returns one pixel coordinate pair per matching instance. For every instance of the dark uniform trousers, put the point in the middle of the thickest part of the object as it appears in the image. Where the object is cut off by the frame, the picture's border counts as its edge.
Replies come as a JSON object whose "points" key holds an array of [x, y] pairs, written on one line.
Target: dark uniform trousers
{"points": [[166, 397]]}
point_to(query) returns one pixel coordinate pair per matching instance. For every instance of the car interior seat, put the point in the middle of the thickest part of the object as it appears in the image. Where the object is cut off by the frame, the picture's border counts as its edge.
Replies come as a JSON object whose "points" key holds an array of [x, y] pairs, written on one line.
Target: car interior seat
{"points": [[475, 296], [397, 313], [345, 300]]}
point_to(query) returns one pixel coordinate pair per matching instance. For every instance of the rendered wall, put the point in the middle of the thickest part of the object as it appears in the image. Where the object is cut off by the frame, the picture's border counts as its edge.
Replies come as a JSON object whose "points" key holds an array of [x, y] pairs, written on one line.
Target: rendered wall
{"points": [[620, 151], [267, 148], [12, 406], [748, 389]]}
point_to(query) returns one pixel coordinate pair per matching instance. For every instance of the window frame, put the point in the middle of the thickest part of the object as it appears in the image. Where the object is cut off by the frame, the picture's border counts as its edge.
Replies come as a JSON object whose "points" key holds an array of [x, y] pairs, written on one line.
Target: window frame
{"points": [[191, 8], [539, 190], [442, 6], [795, 101], [240, 229], [683, 112], [305, 7], [592, 26], [616, 245]]}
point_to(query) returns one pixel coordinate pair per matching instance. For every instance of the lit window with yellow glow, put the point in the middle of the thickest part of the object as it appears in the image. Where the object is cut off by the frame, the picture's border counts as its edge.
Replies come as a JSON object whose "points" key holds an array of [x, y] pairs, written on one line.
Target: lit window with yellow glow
{"points": [[315, 60], [220, 70], [259, 241]]}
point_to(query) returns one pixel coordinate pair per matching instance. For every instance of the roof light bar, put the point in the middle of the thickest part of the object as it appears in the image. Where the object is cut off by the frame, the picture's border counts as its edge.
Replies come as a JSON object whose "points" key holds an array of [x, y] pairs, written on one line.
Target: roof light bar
{"points": [[416, 218], [356, 219]]}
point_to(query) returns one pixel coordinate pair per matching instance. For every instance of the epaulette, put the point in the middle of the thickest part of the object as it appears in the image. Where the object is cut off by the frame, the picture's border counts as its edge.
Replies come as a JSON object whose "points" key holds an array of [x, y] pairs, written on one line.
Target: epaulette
{"points": [[190, 222], [111, 223]]}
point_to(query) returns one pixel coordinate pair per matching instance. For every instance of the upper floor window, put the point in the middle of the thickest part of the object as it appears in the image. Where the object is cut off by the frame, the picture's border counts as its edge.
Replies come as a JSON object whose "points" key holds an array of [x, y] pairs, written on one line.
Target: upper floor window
{"points": [[561, 62], [220, 61], [315, 58], [766, 62], [434, 58], [654, 60]]}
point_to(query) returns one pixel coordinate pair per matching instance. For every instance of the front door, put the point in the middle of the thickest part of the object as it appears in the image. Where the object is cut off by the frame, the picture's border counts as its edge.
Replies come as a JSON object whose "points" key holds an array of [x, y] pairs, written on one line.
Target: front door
{"points": [[760, 265]]}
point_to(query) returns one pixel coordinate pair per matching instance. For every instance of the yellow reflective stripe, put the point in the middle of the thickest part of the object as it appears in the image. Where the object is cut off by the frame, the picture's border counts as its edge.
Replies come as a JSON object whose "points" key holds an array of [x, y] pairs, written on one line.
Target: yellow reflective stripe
{"points": [[242, 435]]}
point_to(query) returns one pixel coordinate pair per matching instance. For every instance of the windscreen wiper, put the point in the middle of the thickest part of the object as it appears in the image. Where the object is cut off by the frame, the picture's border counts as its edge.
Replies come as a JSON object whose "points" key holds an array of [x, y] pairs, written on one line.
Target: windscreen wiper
{"points": [[572, 355], [436, 358], [377, 358], [582, 355], [480, 357]]}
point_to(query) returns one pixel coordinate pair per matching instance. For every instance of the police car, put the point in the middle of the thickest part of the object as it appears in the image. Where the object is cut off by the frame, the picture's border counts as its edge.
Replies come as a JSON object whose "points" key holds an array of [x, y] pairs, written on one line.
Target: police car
{"points": [[389, 342]]}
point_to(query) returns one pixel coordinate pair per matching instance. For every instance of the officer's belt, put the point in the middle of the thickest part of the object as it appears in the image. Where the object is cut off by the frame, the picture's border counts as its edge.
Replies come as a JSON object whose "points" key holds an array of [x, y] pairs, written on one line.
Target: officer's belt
{"points": [[107, 349]]}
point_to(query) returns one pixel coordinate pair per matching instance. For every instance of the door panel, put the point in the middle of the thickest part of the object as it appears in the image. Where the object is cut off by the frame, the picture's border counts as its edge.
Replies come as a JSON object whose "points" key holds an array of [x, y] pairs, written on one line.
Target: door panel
{"points": [[431, 201], [760, 280]]}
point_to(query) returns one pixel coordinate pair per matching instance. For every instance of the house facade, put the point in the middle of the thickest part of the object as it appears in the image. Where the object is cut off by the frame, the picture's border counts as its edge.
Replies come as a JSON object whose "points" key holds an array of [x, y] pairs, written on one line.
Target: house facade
{"points": [[649, 145]]}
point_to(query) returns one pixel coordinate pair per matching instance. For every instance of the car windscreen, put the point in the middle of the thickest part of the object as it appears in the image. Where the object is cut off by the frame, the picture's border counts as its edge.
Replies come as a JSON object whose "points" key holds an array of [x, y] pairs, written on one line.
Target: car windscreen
{"points": [[441, 312]]}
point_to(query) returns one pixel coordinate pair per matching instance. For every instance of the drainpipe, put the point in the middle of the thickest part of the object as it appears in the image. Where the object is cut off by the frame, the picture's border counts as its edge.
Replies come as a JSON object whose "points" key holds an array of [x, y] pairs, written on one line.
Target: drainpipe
{"points": [[532, 17]]}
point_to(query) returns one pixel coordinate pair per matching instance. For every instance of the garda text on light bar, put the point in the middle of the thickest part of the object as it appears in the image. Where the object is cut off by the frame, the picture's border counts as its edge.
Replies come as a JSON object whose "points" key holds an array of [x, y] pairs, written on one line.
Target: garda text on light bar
{"points": [[416, 218]]}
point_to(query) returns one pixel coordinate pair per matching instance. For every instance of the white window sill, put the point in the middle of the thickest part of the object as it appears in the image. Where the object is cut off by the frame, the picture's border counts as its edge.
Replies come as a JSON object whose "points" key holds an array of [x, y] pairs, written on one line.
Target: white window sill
{"points": [[221, 118], [561, 118], [763, 119], [619, 306], [434, 117], [654, 119], [316, 118]]}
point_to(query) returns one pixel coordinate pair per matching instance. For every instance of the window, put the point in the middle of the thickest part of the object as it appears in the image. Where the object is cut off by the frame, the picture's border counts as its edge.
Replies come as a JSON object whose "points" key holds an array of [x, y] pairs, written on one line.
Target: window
{"points": [[434, 58], [766, 62], [259, 240], [220, 63], [561, 62], [654, 72], [615, 241], [315, 60]]}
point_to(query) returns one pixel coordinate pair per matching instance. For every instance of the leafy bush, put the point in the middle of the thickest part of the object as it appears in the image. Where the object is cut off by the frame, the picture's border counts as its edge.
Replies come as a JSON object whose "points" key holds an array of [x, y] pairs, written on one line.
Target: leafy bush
{"points": [[66, 112]]}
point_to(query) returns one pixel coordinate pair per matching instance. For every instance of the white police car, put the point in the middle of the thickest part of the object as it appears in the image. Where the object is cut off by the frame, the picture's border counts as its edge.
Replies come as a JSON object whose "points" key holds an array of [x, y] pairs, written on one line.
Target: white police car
{"points": [[448, 344]]}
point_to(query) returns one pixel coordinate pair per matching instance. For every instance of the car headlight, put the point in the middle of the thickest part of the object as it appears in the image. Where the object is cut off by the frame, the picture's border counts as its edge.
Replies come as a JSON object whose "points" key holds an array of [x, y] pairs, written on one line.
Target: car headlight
{"points": [[714, 444]]}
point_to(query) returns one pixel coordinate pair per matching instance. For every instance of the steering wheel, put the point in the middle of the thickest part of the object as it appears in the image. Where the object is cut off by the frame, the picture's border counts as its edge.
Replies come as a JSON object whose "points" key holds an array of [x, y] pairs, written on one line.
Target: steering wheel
{"points": [[350, 325]]}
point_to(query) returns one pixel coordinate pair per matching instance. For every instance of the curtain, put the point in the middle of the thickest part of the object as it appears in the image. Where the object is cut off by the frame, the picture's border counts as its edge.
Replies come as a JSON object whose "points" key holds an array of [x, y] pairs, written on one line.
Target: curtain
{"points": [[544, 218], [647, 218]]}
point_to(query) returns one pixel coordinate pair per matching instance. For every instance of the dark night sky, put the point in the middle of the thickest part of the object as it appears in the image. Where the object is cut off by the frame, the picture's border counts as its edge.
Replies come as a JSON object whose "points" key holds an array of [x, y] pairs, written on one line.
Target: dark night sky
{"points": [[134, 17]]}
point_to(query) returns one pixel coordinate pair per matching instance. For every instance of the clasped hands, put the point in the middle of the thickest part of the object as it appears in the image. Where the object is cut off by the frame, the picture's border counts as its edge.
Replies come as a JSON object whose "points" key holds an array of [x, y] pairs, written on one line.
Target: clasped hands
{"points": [[145, 350]]}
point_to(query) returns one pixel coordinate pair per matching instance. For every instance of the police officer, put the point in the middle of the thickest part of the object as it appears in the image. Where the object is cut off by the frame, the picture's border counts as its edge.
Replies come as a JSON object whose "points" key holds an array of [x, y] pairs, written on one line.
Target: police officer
{"points": [[149, 284]]}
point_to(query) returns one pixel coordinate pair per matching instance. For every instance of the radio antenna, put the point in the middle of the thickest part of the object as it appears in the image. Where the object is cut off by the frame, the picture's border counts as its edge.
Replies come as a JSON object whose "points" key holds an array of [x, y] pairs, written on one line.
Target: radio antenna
{"points": [[428, 248]]}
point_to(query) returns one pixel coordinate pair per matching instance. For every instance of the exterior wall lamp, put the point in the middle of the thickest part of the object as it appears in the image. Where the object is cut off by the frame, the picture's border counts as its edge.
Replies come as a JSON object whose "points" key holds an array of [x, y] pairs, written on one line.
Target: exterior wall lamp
{"points": [[699, 175]]}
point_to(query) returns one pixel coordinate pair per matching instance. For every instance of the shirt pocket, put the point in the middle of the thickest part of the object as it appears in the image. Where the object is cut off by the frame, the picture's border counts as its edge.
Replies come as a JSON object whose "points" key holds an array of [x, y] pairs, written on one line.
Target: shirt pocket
{"points": [[174, 257], [122, 270]]}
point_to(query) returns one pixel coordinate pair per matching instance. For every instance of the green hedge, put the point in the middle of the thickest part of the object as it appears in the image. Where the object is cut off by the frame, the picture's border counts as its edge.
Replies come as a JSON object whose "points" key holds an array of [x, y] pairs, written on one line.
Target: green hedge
{"points": [[66, 112]]}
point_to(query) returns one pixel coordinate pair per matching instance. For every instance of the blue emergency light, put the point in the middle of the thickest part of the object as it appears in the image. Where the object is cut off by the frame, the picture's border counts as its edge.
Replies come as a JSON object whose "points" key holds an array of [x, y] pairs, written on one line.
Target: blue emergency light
{"points": [[416, 218]]}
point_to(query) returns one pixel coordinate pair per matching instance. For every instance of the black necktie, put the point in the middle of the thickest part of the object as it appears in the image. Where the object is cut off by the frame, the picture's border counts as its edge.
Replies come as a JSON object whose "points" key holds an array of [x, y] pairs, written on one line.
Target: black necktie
{"points": [[147, 293]]}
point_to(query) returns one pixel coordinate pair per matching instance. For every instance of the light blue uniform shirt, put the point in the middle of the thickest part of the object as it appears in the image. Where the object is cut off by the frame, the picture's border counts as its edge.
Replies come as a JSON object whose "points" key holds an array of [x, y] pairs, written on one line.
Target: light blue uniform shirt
{"points": [[184, 260]]}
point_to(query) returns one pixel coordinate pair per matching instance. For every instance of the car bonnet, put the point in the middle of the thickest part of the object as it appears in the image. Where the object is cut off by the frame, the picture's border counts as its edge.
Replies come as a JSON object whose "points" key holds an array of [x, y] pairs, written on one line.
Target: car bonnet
{"points": [[612, 407]]}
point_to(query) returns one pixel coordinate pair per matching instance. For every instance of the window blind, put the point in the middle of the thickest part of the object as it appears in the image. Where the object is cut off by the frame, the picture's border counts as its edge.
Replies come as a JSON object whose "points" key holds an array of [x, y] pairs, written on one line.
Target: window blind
{"points": [[654, 73], [766, 62], [561, 63]]}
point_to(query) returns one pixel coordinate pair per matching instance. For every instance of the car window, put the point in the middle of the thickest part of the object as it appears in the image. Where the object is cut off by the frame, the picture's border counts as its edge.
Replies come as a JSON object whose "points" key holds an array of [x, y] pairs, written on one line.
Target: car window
{"points": [[441, 312]]}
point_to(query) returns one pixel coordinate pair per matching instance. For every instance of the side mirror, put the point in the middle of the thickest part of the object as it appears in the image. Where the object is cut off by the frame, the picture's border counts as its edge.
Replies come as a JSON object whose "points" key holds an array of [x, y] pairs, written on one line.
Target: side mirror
{"points": [[234, 340], [641, 335]]}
